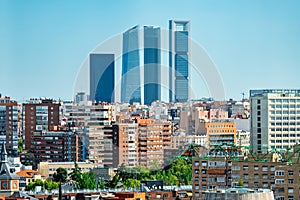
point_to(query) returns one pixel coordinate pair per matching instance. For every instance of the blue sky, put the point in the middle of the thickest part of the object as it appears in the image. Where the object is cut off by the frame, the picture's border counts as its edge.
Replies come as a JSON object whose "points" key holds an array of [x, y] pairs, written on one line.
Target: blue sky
{"points": [[254, 44]]}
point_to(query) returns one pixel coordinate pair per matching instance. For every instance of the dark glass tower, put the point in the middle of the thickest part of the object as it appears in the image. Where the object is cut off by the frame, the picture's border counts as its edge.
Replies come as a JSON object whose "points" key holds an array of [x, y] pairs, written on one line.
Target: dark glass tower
{"points": [[131, 84], [179, 71], [102, 81], [152, 63]]}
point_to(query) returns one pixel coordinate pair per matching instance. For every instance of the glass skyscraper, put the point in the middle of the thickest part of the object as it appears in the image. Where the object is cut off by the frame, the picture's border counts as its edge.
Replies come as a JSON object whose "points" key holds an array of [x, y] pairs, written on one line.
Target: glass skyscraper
{"points": [[179, 53], [152, 63], [131, 83], [102, 81]]}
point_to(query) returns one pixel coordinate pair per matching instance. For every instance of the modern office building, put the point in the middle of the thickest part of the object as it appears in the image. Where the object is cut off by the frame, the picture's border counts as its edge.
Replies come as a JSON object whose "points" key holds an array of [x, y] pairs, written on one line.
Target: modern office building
{"points": [[102, 77], [131, 80], [275, 116], [152, 65], [39, 115], [179, 57], [9, 126]]}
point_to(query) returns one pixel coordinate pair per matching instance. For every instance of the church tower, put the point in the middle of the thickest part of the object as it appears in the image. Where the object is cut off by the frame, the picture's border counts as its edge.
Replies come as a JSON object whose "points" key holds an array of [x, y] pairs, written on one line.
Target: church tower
{"points": [[9, 181]]}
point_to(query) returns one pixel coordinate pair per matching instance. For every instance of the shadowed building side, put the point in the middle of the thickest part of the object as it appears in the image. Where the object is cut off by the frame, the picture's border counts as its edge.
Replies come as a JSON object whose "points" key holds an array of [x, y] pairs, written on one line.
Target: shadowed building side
{"points": [[102, 81]]}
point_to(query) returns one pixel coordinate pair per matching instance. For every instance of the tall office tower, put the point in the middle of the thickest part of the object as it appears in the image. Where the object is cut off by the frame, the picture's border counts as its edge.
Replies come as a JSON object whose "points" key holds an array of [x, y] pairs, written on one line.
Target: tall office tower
{"points": [[275, 116], [9, 127], [102, 81], [39, 115], [152, 65], [179, 56], [131, 83]]}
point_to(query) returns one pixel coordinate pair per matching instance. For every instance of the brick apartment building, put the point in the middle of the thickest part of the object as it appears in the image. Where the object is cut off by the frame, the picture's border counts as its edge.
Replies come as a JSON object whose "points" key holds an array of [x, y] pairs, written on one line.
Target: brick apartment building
{"points": [[39, 115], [153, 139], [265, 171], [56, 146]]}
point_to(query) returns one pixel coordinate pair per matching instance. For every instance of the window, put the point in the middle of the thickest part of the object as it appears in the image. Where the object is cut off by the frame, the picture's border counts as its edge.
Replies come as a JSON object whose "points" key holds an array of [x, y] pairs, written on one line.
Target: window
{"points": [[291, 190], [245, 168], [246, 176], [291, 173], [196, 163], [279, 173], [279, 181], [291, 181], [255, 168], [264, 168]]}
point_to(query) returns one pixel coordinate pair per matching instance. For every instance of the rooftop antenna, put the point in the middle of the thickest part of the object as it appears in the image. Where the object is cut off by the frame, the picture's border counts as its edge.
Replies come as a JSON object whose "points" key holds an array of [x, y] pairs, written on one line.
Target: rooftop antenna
{"points": [[243, 93]]}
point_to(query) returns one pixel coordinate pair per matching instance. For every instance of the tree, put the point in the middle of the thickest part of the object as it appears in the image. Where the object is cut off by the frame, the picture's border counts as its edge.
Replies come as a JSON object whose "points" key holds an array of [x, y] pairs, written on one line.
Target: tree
{"points": [[60, 176], [131, 183], [76, 173], [240, 183], [87, 181], [20, 145]]}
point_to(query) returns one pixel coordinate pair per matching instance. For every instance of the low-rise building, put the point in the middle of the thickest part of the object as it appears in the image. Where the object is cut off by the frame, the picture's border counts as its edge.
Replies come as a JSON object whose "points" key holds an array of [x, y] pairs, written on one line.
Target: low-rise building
{"points": [[49, 168], [29, 176]]}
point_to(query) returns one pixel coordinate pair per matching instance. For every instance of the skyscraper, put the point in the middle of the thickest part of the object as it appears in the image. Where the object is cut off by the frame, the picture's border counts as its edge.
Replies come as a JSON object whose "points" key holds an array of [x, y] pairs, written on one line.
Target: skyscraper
{"points": [[179, 56], [102, 81], [131, 83], [152, 65], [275, 116]]}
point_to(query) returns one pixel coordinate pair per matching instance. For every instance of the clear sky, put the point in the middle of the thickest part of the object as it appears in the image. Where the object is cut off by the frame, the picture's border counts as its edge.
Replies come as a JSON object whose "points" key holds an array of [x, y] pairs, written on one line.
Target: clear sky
{"points": [[254, 43]]}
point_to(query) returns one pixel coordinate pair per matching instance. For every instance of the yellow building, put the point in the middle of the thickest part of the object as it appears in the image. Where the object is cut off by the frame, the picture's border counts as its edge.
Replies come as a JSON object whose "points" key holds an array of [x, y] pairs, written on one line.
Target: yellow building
{"points": [[218, 132]]}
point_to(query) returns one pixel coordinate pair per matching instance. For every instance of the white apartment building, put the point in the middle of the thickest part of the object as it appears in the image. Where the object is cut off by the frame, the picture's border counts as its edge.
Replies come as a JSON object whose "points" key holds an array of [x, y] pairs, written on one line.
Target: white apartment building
{"points": [[275, 119]]}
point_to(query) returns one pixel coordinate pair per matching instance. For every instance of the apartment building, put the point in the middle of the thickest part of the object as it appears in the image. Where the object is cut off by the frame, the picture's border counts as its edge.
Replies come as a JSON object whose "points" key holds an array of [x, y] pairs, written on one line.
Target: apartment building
{"points": [[125, 141], [222, 170], [39, 115], [218, 132], [9, 125], [153, 139], [275, 115], [56, 146]]}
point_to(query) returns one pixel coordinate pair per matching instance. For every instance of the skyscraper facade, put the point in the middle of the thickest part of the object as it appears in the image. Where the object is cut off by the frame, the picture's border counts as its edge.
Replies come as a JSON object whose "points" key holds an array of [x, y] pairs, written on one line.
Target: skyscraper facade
{"points": [[275, 116], [131, 82], [102, 77], [152, 65], [179, 56]]}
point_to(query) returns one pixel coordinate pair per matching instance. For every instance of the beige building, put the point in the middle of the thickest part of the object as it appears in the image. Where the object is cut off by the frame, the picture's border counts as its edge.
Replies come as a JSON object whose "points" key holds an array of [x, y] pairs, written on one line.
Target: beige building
{"points": [[153, 139], [125, 144], [218, 132], [49, 168]]}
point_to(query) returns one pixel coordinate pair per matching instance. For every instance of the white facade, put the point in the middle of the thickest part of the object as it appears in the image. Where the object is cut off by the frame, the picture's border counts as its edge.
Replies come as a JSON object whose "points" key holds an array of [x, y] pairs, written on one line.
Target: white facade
{"points": [[275, 119]]}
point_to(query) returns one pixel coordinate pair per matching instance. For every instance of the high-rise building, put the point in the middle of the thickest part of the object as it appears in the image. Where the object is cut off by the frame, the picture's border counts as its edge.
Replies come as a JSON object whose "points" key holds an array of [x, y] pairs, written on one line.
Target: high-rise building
{"points": [[152, 65], [125, 140], [131, 82], [102, 81], [179, 57], [153, 139], [275, 115], [39, 115], [9, 127]]}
